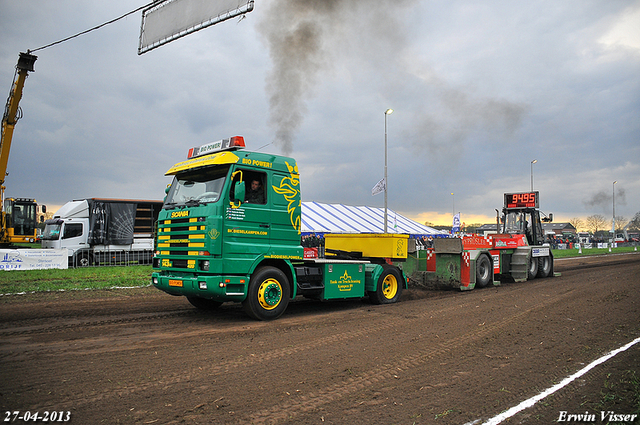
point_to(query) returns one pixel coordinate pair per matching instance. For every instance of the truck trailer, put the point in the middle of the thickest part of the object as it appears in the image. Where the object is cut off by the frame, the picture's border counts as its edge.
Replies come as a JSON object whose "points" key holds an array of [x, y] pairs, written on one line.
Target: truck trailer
{"points": [[104, 231], [230, 230]]}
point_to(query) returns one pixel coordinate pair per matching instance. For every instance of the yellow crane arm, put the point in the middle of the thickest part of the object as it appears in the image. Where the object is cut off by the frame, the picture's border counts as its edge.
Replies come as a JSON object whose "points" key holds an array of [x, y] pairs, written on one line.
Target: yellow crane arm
{"points": [[10, 117]]}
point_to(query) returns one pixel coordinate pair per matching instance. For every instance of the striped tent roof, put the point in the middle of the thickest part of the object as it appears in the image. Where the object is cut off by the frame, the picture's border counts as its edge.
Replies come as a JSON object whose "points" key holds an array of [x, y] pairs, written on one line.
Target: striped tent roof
{"points": [[338, 218]]}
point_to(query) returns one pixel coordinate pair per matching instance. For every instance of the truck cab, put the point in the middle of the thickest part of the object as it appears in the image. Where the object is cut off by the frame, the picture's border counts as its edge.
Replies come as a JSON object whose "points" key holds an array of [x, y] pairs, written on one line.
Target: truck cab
{"points": [[584, 237], [226, 214], [68, 229]]}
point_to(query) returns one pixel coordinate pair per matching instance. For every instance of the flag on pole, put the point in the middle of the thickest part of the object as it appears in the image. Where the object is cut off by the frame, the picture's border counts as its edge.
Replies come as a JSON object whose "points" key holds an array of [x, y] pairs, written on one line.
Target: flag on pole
{"points": [[379, 187], [456, 224]]}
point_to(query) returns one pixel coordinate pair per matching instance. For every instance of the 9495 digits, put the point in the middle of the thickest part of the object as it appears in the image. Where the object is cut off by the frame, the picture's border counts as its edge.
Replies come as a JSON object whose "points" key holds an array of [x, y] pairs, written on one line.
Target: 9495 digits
{"points": [[46, 416]]}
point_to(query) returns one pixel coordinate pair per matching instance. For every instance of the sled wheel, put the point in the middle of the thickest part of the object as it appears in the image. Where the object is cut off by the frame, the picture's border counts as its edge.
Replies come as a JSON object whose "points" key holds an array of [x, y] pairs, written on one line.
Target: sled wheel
{"points": [[544, 266], [268, 294], [389, 287], [483, 271], [533, 268]]}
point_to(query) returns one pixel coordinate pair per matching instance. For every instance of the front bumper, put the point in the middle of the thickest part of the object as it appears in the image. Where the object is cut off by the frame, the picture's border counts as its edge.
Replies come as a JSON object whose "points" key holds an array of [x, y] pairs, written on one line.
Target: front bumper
{"points": [[216, 287]]}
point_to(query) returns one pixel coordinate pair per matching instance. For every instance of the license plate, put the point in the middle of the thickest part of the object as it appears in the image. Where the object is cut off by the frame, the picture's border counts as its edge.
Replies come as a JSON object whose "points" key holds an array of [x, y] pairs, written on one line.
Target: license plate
{"points": [[173, 282]]}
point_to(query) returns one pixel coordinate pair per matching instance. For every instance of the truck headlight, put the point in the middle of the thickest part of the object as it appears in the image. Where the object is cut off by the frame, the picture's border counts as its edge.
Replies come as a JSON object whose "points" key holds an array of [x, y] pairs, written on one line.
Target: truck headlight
{"points": [[204, 265]]}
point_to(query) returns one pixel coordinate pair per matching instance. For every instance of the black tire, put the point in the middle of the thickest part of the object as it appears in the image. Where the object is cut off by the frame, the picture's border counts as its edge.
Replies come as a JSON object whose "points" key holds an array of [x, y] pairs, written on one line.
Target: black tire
{"points": [[484, 271], [533, 268], [83, 259], [544, 266], [268, 294], [203, 303], [389, 287]]}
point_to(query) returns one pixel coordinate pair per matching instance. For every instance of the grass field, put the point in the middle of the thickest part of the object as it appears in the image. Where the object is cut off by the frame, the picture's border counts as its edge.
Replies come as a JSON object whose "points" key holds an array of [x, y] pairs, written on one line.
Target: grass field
{"points": [[17, 282]]}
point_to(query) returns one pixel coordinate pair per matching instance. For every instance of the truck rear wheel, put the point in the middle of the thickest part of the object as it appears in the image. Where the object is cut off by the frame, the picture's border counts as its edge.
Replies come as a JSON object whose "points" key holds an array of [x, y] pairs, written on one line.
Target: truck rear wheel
{"points": [[389, 287], [203, 303], [268, 294], [544, 266], [483, 271]]}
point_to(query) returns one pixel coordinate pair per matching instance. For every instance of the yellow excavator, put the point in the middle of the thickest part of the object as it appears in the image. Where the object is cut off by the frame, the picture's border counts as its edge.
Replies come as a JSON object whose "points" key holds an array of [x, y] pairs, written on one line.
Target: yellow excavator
{"points": [[18, 218]]}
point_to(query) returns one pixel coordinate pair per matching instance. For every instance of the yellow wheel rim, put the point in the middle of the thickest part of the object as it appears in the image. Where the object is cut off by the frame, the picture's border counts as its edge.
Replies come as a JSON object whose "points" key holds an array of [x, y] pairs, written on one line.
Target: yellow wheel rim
{"points": [[270, 294], [389, 286]]}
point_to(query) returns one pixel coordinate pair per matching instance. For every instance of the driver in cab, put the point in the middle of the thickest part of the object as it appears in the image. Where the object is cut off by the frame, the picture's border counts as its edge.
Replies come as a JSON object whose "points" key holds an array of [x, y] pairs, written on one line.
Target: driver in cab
{"points": [[255, 194]]}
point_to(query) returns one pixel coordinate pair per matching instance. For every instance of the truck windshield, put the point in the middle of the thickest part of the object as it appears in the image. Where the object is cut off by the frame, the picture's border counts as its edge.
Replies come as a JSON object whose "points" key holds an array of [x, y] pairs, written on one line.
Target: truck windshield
{"points": [[51, 232], [196, 187]]}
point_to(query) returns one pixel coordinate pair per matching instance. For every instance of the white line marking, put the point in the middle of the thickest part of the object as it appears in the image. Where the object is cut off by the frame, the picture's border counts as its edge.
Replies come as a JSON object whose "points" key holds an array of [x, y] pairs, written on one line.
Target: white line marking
{"points": [[530, 402]]}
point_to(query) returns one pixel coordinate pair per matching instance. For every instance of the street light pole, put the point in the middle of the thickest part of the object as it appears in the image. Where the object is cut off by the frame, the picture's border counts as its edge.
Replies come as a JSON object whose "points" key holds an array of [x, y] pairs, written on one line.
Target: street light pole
{"points": [[387, 112], [453, 202], [532, 162], [613, 222]]}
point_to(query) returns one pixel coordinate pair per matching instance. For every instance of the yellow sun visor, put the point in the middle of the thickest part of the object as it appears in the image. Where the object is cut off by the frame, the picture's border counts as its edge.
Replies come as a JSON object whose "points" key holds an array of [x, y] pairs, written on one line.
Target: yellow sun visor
{"points": [[203, 161]]}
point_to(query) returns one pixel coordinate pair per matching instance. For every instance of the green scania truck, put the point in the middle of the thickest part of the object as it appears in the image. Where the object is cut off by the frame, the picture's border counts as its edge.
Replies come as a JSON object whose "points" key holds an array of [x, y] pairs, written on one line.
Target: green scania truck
{"points": [[230, 230]]}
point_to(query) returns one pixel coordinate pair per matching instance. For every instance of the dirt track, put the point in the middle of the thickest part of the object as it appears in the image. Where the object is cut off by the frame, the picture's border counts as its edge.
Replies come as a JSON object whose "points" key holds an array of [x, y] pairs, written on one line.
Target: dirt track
{"points": [[141, 356]]}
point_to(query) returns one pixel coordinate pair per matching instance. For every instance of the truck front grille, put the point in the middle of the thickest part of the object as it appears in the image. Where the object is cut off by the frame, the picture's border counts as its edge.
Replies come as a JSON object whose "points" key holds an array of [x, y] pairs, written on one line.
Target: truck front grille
{"points": [[179, 239]]}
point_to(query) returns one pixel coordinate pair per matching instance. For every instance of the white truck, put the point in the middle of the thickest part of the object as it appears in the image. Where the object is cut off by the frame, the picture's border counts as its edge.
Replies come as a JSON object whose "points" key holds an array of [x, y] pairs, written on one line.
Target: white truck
{"points": [[104, 231]]}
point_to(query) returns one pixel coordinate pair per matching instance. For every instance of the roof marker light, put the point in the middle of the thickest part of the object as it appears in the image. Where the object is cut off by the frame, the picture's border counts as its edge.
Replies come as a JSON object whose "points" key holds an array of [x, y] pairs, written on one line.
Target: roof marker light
{"points": [[232, 143]]}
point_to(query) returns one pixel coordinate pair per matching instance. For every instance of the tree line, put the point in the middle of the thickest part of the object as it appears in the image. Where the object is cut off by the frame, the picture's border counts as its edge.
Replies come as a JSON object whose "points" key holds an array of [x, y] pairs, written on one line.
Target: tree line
{"points": [[597, 223]]}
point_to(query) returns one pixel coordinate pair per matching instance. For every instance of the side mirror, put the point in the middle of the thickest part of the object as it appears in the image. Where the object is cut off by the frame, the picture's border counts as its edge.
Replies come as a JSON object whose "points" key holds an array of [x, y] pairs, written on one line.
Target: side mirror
{"points": [[43, 208], [238, 194]]}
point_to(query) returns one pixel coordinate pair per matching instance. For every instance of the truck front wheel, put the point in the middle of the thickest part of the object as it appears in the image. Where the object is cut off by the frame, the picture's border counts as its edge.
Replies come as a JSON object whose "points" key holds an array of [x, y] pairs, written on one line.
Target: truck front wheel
{"points": [[389, 287], [268, 294]]}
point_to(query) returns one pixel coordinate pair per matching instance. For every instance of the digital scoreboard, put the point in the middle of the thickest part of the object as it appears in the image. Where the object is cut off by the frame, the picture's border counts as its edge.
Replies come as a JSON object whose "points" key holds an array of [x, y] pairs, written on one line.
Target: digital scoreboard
{"points": [[521, 200]]}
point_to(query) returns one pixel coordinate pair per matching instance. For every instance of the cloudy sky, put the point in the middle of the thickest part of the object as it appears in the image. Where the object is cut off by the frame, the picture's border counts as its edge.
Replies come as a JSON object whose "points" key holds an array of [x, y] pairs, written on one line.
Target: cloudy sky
{"points": [[479, 90]]}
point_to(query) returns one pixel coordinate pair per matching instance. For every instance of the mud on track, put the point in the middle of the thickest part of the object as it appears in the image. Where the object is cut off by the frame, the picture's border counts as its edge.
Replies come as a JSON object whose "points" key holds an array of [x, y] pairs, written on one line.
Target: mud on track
{"points": [[142, 356]]}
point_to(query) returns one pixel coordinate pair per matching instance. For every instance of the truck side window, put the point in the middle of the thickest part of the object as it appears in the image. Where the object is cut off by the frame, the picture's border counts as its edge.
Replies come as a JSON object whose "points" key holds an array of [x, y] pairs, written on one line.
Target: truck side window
{"points": [[72, 230], [255, 187]]}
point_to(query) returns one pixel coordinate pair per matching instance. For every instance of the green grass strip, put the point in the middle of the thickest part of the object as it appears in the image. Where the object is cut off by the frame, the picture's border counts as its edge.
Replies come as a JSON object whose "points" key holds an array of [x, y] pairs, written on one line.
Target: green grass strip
{"points": [[575, 252], [15, 282]]}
